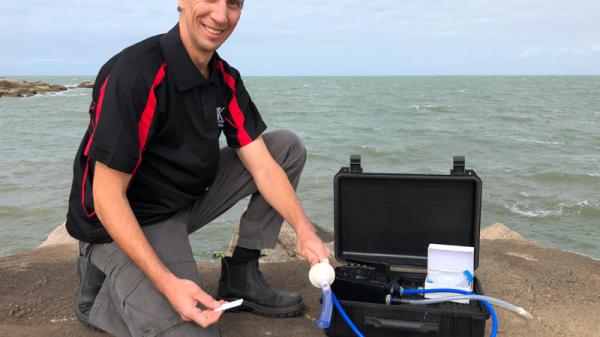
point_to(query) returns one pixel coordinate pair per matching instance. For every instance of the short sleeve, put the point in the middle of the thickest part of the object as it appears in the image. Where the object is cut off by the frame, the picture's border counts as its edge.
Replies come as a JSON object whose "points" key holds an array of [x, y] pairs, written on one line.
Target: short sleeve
{"points": [[243, 122], [120, 105]]}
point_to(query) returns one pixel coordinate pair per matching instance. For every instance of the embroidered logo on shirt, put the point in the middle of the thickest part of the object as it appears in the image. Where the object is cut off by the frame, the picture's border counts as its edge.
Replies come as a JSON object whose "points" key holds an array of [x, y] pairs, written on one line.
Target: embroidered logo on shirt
{"points": [[220, 120]]}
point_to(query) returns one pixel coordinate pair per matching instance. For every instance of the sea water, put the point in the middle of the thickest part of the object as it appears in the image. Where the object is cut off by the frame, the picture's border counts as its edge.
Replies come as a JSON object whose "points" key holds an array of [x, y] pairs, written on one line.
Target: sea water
{"points": [[534, 141]]}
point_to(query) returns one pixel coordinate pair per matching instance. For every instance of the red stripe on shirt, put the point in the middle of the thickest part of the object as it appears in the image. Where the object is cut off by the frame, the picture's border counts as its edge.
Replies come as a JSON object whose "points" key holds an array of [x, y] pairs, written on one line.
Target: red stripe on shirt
{"points": [[148, 114], [89, 144], [98, 110], [234, 108]]}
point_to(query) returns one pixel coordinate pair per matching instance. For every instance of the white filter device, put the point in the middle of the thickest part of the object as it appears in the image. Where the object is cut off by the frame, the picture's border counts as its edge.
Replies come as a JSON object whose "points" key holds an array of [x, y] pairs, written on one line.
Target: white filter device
{"points": [[320, 272], [449, 267]]}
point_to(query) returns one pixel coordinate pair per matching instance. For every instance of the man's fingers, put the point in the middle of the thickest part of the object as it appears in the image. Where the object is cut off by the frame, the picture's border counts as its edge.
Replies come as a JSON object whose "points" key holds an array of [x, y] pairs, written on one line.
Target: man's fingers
{"points": [[197, 316], [324, 252], [206, 300], [312, 258], [205, 318]]}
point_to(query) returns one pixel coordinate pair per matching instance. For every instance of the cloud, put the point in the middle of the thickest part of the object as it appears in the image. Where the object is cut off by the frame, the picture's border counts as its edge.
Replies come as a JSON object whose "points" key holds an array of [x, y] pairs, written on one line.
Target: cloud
{"points": [[390, 35], [531, 52], [576, 51]]}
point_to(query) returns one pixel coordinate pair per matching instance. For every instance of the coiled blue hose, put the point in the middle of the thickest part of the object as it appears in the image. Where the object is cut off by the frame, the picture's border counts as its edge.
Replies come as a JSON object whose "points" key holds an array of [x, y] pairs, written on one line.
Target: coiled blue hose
{"points": [[403, 291], [456, 291], [331, 296]]}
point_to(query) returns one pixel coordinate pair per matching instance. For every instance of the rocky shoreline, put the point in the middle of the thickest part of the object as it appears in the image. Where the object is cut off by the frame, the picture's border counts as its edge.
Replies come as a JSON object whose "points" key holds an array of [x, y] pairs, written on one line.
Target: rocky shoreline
{"points": [[22, 88], [560, 289]]}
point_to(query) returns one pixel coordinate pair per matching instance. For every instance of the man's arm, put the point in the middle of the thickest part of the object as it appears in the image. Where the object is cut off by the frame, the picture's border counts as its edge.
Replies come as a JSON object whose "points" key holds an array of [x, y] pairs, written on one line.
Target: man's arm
{"points": [[114, 211], [274, 185]]}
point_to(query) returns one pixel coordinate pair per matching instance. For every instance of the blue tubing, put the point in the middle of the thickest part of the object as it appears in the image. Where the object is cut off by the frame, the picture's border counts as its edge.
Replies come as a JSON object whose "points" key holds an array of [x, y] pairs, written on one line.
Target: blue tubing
{"points": [[456, 291], [339, 308], [327, 309]]}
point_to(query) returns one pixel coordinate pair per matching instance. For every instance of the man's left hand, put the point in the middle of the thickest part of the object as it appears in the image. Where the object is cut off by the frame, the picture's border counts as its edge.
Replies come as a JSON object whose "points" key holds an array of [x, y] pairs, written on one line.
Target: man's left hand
{"points": [[312, 248]]}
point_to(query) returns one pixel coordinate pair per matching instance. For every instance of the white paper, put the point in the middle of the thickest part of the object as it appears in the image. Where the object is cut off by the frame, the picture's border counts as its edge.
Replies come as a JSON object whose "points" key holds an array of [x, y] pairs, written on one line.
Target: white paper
{"points": [[230, 305]]}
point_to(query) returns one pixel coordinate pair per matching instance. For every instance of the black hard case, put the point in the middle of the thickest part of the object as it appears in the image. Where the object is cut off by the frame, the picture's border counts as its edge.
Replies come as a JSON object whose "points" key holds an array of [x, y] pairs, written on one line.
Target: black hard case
{"points": [[385, 221]]}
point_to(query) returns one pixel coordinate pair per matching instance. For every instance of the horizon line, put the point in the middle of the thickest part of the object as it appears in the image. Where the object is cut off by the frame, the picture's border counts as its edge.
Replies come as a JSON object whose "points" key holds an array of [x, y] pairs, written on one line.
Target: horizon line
{"points": [[362, 75]]}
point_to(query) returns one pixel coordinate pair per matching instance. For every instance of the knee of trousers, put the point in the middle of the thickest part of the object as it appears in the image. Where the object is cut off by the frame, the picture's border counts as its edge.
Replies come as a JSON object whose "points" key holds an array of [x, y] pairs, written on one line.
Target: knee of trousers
{"points": [[286, 148]]}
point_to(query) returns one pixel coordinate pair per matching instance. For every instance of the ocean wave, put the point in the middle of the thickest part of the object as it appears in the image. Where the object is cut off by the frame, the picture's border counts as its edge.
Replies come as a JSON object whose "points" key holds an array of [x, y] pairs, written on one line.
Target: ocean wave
{"points": [[67, 93], [535, 141], [372, 149], [562, 177], [432, 107], [563, 208]]}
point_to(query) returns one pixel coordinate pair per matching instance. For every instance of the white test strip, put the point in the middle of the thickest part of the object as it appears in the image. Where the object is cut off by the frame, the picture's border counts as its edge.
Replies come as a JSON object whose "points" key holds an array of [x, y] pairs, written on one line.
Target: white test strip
{"points": [[230, 305]]}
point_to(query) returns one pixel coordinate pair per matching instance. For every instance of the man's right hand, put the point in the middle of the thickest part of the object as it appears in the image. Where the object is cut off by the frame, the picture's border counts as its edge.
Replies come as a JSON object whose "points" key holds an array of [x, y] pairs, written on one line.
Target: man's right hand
{"points": [[184, 295], [114, 211]]}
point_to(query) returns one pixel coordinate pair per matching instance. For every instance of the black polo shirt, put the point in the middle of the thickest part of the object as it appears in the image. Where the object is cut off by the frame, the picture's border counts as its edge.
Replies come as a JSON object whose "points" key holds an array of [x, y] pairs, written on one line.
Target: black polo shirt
{"points": [[154, 115]]}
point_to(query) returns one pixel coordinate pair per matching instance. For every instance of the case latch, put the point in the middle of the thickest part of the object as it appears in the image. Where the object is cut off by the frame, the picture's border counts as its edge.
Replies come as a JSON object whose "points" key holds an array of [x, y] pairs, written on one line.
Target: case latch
{"points": [[355, 166], [458, 167]]}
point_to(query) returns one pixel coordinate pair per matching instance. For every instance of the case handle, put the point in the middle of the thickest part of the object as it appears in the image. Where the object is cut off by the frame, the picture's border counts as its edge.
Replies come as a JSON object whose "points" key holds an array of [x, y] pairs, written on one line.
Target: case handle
{"points": [[422, 327], [458, 166], [355, 166]]}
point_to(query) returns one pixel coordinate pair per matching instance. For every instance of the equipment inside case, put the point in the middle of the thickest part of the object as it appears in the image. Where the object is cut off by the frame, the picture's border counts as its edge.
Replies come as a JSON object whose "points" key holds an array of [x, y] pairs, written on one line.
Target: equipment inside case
{"points": [[383, 225]]}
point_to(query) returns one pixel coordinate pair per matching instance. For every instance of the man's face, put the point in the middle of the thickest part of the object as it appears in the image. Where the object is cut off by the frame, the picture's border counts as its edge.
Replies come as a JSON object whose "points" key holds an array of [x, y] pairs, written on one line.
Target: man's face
{"points": [[208, 23]]}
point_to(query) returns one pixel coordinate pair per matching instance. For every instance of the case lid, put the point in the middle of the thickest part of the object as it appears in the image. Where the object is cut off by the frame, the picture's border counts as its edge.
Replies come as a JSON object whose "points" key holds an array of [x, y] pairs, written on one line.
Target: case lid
{"points": [[392, 218]]}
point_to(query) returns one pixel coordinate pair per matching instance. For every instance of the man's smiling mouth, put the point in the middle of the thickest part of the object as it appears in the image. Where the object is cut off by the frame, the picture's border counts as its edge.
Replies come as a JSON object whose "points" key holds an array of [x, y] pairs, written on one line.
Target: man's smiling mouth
{"points": [[212, 30]]}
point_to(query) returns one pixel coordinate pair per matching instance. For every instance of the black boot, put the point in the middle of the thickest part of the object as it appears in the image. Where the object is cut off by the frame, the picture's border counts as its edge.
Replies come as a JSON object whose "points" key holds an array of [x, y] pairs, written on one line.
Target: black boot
{"points": [[90, 282], [246, 281]]}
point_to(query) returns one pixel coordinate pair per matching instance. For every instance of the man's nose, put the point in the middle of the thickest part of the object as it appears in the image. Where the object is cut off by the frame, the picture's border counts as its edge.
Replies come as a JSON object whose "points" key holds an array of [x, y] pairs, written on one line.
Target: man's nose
{"points": [[219, 14]]}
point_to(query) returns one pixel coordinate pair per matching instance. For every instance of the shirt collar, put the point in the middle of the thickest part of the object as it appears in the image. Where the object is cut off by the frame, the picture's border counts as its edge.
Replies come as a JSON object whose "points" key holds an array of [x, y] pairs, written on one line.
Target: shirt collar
{"points": [[184, 71]]}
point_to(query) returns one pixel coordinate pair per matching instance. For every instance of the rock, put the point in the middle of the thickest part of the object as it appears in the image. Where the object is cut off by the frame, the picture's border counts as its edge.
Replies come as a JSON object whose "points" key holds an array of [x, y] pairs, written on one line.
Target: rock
{"points": [[500, 231], [59, 236], [21, 88], [286, 249], [88, 85]]}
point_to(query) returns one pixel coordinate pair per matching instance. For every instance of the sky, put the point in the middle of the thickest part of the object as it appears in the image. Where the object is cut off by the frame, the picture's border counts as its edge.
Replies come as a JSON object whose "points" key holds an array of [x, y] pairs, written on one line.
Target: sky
{"points": [[316, 37]]}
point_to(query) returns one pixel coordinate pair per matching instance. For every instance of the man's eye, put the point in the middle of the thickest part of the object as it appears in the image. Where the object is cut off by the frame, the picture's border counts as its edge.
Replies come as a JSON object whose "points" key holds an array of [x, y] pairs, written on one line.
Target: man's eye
{"points": [[235, 3]]}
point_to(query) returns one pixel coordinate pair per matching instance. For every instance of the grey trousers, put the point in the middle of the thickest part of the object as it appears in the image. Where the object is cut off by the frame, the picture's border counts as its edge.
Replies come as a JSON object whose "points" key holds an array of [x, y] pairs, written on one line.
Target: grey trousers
{"points": [[129, 305]]}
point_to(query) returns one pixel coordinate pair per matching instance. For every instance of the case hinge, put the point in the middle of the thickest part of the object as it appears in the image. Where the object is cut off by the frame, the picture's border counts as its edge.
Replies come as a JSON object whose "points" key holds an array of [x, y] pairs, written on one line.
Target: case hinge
{"points": [[355, 166]]}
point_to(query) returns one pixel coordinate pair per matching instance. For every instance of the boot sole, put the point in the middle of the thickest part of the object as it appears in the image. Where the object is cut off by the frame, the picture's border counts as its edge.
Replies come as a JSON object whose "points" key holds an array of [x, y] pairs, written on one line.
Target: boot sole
{"points": [[262, 310]]}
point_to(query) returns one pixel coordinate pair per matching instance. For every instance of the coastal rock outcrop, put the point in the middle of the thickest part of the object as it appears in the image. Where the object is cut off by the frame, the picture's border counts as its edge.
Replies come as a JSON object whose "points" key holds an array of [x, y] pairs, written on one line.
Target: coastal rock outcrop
{"points": [[500, 231], [59, 236], [286, 249], [86, 84], [22, 88]]}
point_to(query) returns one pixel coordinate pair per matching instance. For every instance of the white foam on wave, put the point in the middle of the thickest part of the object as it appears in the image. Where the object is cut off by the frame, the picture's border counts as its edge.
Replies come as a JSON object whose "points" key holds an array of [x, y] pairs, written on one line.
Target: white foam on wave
{"points": [[534, 213], [65, 93], [372, 148], [535, 141], [557, 210], [429, 106]]}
